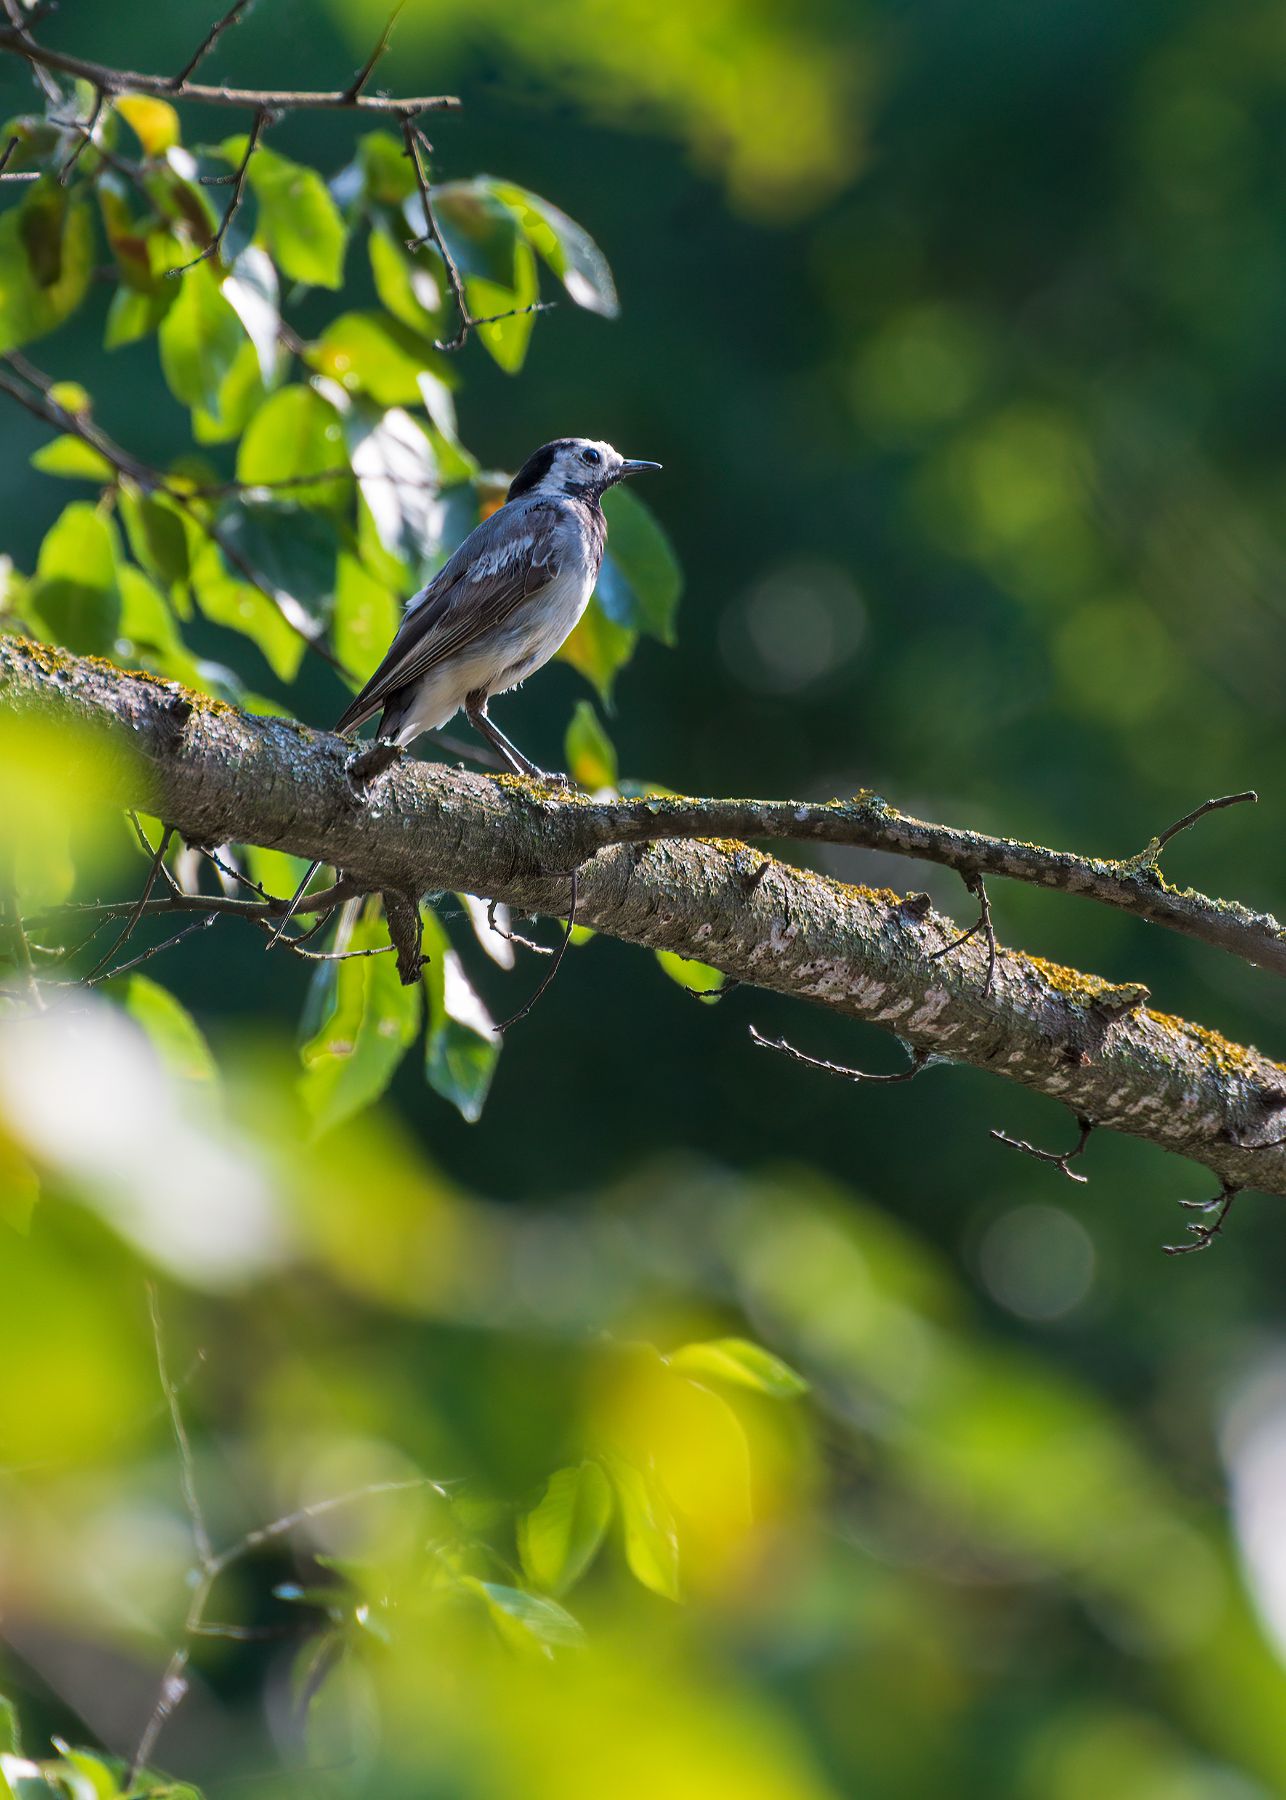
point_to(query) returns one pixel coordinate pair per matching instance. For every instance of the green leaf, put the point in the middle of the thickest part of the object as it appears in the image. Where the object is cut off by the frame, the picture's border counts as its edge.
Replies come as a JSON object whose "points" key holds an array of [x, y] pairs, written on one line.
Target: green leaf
{"points": [[157, 532], [75, 595], [565, 246], [227, 600], [651, 1541], [73, 458], [10, 1731], [685, 972], [591, 757], [133, 315], [559, 1538], [295, 433], [240, 396], [46, 255], [366, 618], [506, 341], [550, 1625], [386, 169], [739, 1361], [148, 631], [200, 338], [478, 229], [369, 353], [298, 220], [409, 283], [640, 580], [87, 1775], [599, 648], [461, 1044], [173, 1032], [352, 1057], [291, 549]]}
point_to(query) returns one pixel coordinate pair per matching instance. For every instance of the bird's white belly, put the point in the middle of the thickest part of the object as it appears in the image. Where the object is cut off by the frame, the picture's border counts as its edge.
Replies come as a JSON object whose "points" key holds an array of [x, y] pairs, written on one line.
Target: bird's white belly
{"points": [[535, 631]]}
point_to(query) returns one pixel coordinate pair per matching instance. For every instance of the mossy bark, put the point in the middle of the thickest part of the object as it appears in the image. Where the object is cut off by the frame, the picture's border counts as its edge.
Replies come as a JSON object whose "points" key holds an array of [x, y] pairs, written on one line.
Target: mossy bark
{"points": [[222, 776]]}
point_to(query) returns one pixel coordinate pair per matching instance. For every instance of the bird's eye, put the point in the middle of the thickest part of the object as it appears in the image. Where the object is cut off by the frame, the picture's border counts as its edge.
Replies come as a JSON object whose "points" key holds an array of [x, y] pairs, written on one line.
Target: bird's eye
{"points": [[590, 456]]}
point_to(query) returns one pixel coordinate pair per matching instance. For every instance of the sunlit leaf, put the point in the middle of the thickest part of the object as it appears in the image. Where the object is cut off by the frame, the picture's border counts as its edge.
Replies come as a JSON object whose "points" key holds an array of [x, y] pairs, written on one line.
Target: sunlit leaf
{"points": [[293, 434], [75, 594], [651, 1540], [352, 1057], [74, 458], [697, 977], [461, 1044], [228, 599], [590, 753], [600, 649], [565, 246], [157, 532], [172, 1031], [298, 220], [506, 340], [396, 470], [250, 288], [559, 1538], [154, 122], [200, 338], [530, 1616], [373, 354], [366, 617], [640, 581], [739, 1361], [408, 282]]}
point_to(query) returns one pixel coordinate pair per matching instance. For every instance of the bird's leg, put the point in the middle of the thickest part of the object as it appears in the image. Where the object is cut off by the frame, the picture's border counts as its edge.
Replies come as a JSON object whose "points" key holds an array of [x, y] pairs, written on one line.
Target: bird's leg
{"points": [[476, 710], [366, 764]]}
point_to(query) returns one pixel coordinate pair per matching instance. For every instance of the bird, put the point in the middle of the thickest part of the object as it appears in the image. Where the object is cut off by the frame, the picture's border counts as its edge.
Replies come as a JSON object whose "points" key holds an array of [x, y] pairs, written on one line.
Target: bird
{"points": [[496, 611]]}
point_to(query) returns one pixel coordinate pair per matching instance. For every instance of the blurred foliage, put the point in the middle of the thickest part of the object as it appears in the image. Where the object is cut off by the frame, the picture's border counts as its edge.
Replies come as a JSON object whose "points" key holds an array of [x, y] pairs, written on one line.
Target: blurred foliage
{"points": [[688, 1426]]}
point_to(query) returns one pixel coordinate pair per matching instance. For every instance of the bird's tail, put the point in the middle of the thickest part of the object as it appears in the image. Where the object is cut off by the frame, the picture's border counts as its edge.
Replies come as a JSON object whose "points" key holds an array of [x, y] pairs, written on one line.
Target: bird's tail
{"points": [[293, 908]]}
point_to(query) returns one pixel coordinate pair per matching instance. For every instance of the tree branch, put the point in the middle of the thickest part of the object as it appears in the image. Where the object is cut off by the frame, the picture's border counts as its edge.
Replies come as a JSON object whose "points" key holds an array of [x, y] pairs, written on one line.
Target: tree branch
{"points": [[219, 776], [17, 40]]}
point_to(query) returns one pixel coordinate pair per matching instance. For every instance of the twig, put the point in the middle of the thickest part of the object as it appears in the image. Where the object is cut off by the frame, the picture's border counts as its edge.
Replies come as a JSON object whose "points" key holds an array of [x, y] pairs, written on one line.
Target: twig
{"points": [[412, 139], [238, 192], [212, 1563], [138, 909], [155, 950], [18, 41], [515, 937], [210, 39], [554, 967], [363, 75], [21, 27], [182, 1443], [22, 949], [978, 888], [1147, 859], [17, 174], [920, 1060], [1204, 1235], [1060, 1159], [86, 129]]}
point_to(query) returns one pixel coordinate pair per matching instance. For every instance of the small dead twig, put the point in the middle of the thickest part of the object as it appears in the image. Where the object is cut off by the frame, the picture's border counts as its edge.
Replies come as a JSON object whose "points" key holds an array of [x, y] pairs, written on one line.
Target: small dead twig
{"points": [[208, 42], [1147, 858], [139, 907], [920, 1060], [555, 966], [415, 143], [22, 949], [155, 950], [364, 74], [1059, 1159], [978, 888], [87, 130], [257, 127], [515, 937], [1204, 1235]]}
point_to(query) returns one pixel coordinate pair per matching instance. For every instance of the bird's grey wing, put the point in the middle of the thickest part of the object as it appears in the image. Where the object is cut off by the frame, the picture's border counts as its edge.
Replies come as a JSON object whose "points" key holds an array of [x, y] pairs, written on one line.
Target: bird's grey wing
{"points": [[493, 572]]}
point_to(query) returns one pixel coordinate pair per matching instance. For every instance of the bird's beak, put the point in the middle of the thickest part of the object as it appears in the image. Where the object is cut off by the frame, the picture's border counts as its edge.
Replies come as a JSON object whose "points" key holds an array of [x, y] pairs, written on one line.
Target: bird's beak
{"points": [[631, 467]]}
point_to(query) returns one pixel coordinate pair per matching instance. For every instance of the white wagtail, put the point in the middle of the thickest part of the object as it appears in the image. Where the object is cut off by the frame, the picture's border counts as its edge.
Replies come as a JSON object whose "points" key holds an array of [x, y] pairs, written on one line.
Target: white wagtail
{"points": [[496, 612]]}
